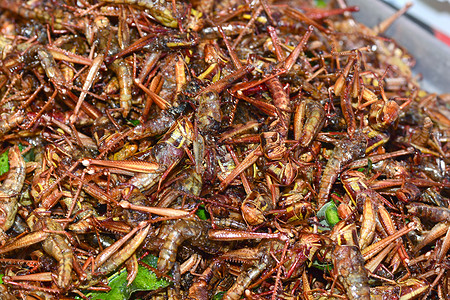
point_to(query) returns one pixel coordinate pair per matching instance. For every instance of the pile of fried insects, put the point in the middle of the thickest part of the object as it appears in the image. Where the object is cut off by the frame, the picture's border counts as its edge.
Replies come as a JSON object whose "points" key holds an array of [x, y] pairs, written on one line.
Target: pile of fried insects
{"points": [[155, 149]]}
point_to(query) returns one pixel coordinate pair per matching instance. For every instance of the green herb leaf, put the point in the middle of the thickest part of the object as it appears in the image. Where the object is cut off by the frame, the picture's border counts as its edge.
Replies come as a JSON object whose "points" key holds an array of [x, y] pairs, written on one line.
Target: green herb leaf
{"points": [[202, 213], [145, 280], [328, 213], [218, 296], [321, 3], [322, 266], [331, 214], [4, 163], [1, 278], [134, 122]]}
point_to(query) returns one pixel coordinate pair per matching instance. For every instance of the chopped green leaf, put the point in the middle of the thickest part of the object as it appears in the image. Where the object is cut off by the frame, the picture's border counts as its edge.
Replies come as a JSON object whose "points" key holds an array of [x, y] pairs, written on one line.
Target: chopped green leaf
{"points": [[1, 278], [4, 163], [321, 266], [202, 213], [218, 296], [321, 3], [145, 280], [321, 212], [331, 214], [361, 170], [328, 214], [134, 122]]}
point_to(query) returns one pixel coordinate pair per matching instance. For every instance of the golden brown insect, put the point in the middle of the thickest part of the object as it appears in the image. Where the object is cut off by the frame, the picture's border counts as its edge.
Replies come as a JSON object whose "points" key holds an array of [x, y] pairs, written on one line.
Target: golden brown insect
{"points": [[174, 233], [119, 66], [255, 204], [283, 171], [44, 12], [53, 242], [188, 182], [292, 259], [10, 191], [166, 153], [344, 152], [155, 126], [428, 212], [244, 279], [349, 266], [199, 289], [208, 112], [212, 134], [115, 259], [9, 122], [309, 119], [160, 10]]}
